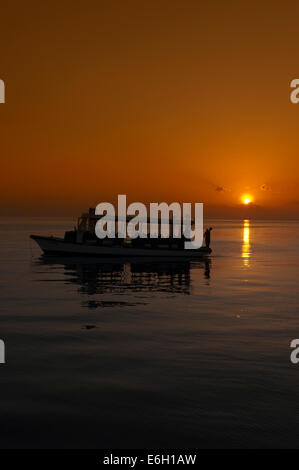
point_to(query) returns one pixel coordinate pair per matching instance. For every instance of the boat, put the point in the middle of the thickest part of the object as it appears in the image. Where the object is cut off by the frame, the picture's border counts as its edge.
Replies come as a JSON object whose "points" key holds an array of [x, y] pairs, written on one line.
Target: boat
{"points": [[82, 241]]}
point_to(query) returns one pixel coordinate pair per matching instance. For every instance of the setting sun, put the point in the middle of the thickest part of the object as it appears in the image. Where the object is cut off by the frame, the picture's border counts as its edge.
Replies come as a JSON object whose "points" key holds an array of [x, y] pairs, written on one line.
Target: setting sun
{"points": [[246, 199]]}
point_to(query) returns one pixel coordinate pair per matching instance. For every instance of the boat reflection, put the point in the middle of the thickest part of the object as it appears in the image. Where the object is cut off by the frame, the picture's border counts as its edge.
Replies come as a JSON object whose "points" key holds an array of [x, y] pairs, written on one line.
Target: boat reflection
{"points": [[246, 249], [101, 276]]}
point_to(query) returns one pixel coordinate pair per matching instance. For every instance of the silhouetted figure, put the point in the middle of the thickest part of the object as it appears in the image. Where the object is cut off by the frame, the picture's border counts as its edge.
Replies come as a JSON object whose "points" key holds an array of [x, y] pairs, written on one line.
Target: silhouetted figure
{"points": [[207, 236]]}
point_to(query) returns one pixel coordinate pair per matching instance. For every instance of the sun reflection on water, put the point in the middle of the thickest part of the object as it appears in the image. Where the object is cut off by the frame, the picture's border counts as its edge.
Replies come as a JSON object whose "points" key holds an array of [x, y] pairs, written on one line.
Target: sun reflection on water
{"points": [[246, 252]]}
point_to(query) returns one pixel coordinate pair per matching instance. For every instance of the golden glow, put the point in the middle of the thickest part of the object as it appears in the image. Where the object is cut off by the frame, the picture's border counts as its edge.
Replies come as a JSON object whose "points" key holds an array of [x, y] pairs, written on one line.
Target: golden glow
{"points": [[246, 253], [247, 199], [139, 114]]}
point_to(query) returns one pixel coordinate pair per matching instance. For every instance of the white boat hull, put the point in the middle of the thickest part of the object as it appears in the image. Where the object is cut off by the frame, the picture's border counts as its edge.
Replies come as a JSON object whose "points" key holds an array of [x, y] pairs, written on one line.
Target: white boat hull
{"points": [[57, 246]]}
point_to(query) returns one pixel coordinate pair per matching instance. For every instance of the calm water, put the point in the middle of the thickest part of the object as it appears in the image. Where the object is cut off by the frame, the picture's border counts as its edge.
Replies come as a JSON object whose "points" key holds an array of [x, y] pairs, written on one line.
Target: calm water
{"points": [[151, 355]]}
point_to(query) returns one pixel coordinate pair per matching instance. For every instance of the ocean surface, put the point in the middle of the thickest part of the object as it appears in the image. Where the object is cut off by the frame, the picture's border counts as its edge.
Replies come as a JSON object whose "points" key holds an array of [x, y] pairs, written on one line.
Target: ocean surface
{"points": [[144, 355]]}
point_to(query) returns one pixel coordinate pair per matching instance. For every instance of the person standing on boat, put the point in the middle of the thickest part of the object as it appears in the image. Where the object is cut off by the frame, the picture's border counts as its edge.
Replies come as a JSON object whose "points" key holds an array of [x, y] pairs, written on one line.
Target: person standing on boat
{"points": [[207, 236]]}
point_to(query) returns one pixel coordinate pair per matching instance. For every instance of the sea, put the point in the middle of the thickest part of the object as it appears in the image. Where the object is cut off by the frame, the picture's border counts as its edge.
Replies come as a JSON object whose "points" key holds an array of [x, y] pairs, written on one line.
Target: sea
{"points": [[148, 354]]}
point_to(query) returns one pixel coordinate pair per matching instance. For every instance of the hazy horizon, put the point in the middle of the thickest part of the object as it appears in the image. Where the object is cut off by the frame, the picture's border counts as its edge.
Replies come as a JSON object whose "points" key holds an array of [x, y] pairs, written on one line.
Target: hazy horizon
{"points": [[238, 212]]}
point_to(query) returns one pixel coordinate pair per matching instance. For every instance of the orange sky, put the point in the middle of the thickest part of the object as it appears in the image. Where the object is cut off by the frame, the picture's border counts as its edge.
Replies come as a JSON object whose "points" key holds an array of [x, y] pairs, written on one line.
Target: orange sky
{"points": [[159, 100]]}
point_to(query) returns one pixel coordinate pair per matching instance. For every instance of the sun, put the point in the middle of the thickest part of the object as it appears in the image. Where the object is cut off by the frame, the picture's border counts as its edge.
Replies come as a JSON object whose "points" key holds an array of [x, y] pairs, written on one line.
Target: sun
{"points": [[247, 199]]}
